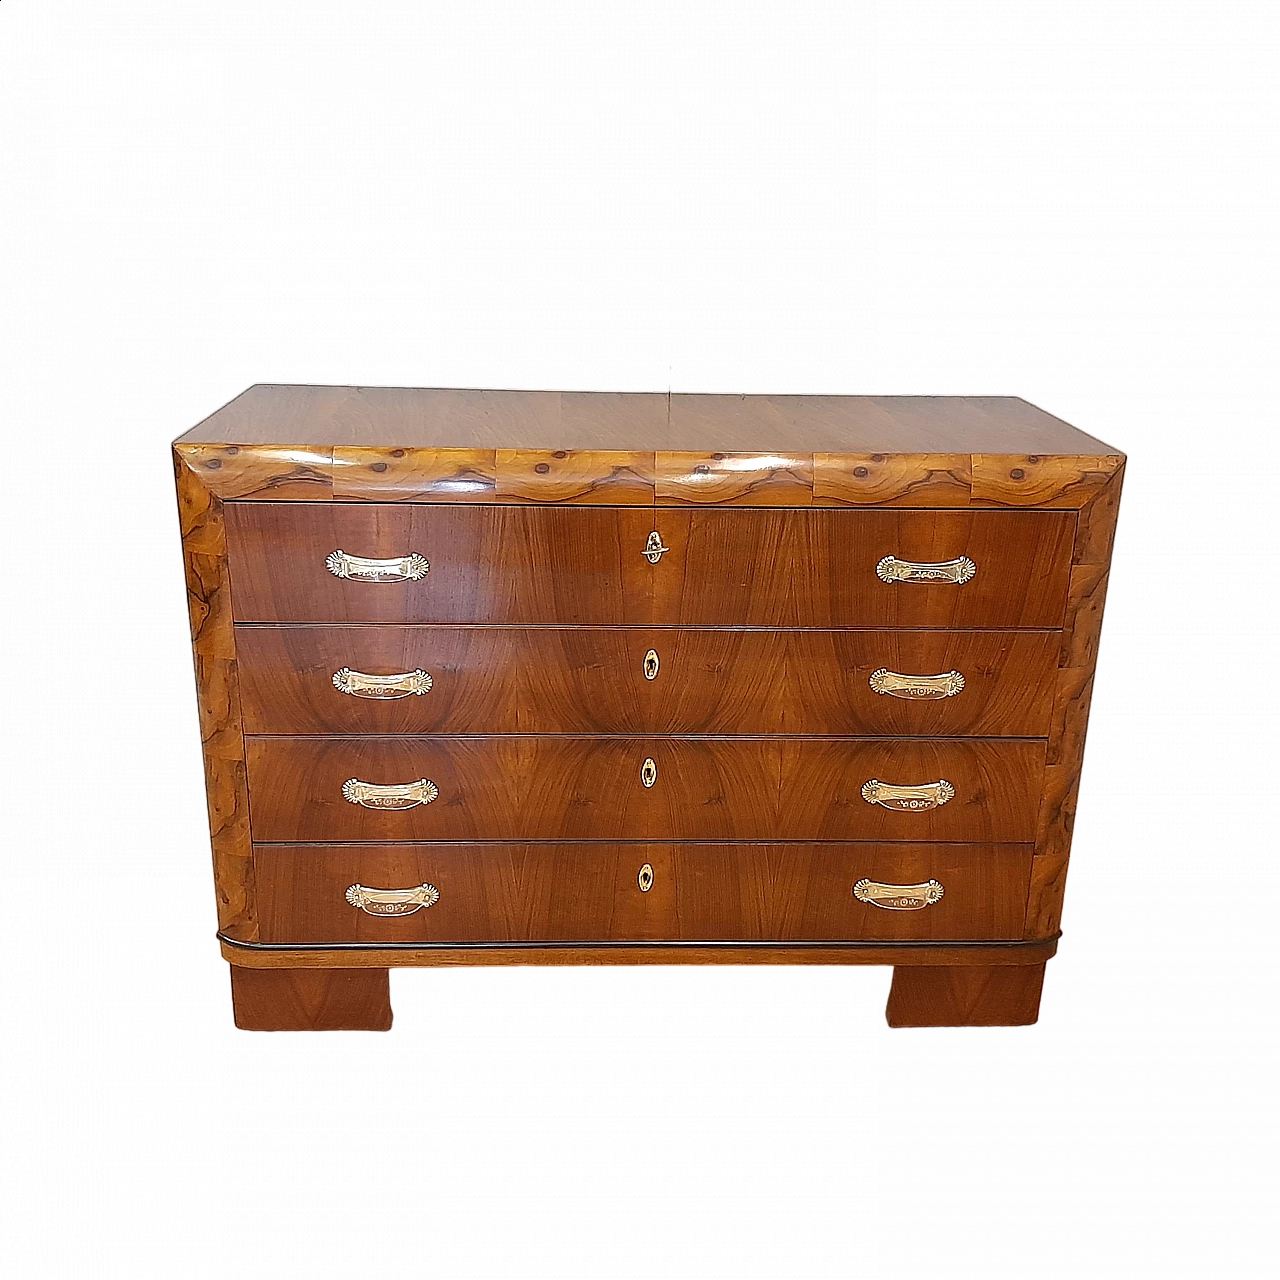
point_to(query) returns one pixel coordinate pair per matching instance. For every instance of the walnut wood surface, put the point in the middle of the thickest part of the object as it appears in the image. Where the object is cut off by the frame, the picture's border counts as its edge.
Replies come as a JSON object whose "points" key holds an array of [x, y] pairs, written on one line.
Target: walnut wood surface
{"points": [[311, 999], [901, 954], [415, 417], [586, 566], [488, 564], [1091, 566], [965, 996], [818, 568], [639, 463], [204, 551], [590, 892], [545, 788], [590, 680]]}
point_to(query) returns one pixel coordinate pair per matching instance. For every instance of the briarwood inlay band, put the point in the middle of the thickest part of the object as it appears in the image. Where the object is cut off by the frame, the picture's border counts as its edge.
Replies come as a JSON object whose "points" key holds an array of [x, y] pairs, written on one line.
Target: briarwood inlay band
{"points": [[845, 645]]}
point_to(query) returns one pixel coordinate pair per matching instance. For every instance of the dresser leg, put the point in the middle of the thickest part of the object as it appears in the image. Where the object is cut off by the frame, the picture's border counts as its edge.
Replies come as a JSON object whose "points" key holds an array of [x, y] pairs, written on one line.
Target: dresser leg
{"points": [[311, 999], [965, 995]]}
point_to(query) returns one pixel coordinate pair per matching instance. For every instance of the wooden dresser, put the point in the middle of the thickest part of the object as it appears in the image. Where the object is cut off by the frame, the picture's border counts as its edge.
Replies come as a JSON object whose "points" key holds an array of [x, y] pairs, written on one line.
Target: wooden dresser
{"points": [[496, 677]]}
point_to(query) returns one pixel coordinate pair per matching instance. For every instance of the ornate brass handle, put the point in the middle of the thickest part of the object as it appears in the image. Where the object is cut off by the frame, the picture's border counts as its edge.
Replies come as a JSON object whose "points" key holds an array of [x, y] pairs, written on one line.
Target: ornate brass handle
{"points": [[648, 772], [947, 685], [959, 570], [898, 897], [392, 902], [653, 548], [360, 685], [361, 569], [929, 795], [651, 665], [397, 795]]}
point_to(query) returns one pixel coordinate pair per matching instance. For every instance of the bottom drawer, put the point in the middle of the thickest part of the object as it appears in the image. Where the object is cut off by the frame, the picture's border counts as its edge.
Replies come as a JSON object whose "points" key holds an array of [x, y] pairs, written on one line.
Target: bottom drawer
{"points": [[441, 893]]}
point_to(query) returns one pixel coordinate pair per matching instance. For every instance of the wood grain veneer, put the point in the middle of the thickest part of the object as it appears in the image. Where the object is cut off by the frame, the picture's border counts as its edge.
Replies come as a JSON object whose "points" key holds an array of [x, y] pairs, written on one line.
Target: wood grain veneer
{"points": [[547, 788], [591, 680], [589, 892], [538, 609], [586, 566]]}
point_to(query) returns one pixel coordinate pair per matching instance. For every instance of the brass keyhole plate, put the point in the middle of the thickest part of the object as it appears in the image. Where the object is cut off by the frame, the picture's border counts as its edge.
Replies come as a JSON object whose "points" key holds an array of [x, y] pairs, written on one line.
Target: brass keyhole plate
{"points": [[645, 878]]}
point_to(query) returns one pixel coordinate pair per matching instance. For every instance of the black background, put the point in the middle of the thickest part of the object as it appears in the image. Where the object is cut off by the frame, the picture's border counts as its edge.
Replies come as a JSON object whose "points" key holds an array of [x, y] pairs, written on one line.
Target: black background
{"points": [[795, 1011]]}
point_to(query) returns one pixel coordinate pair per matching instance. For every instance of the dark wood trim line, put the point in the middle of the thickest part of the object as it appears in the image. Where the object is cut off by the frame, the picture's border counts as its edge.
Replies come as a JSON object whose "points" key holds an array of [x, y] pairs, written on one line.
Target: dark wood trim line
{"points": [[627, 946]]}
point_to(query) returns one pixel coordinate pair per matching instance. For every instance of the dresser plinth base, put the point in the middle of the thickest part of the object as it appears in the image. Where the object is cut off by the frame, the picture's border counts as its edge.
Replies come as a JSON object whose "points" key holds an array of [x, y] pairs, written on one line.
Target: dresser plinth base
{"points": [[965, 995], [311, 999]]}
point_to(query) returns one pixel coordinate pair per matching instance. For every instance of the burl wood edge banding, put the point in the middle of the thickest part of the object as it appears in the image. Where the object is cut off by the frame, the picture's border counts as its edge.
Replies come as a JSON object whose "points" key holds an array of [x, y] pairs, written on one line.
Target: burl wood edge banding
{"points": [[307, 473], [1091, 560], [204, 550]]}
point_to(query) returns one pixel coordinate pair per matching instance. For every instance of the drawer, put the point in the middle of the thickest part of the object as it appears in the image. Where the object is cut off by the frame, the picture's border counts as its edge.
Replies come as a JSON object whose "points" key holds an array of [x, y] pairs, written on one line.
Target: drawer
{"points": [[591, 892], [547, 788], [581, 565], [587, 566], [486, 680]]}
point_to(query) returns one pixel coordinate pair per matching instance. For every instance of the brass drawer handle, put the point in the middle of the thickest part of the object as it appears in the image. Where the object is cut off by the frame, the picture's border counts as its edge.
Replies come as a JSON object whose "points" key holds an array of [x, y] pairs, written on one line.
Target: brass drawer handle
{"points": [[361, 569], [397, 795], [360, 685], [392, 902], [929, 795], [898, 897], [648, 772], [653, 548], [919, 688], [651, 664], [959, 570]]}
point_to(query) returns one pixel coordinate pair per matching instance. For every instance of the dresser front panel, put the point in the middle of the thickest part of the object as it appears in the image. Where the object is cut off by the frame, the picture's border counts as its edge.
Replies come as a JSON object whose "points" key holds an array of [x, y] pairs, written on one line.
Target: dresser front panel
{"points": [[593, 680], [591, 892], [586, 565], [547, 788]]}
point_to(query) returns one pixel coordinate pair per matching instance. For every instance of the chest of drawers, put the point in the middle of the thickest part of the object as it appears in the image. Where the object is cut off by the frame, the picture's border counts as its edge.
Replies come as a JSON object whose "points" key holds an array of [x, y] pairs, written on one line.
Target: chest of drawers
{"points": [[556, 678]]}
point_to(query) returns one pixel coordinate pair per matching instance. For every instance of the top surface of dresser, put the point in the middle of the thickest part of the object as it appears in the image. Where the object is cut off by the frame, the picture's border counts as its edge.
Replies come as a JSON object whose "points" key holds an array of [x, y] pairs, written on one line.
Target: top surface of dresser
{"points": [[429, 418]]}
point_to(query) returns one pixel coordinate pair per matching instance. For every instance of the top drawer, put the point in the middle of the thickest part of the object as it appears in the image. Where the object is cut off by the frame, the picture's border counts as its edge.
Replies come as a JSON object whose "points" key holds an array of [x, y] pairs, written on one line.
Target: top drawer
{"points": [[304, 562]]}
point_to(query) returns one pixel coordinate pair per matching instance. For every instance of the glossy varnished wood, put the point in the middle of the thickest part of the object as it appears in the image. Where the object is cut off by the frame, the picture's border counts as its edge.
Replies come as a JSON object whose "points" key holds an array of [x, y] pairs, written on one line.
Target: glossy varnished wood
{"points": [[585, 565], [488, 564], [784, 466], [818, 568], [449, 418], [204, 550], [254, 955], [547, 788], [965, 996], [1090, 573], [311, 999], [590, 892], [591, 680]]}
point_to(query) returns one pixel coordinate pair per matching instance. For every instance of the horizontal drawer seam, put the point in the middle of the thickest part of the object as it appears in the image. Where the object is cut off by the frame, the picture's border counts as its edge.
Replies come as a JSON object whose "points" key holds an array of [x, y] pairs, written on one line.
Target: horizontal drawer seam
{"points": [[626, 626], [637, 842], [652, 737]]}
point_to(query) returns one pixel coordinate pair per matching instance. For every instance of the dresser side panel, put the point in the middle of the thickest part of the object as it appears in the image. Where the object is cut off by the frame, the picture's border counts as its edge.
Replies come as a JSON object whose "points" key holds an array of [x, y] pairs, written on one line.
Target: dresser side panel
{"points": [[1095, 535], [204, 549]]}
